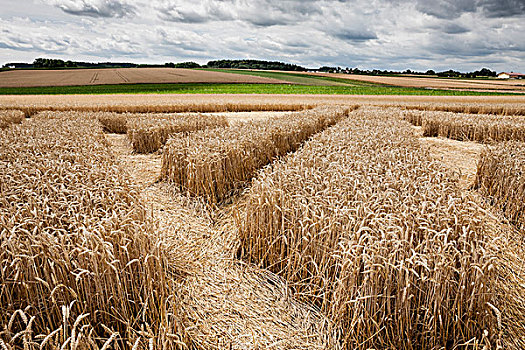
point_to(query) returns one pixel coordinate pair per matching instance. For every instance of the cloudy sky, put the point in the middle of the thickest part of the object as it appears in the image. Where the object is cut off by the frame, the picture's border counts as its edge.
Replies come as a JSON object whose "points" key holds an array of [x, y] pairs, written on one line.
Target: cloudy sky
{"points": [[396, 34]]}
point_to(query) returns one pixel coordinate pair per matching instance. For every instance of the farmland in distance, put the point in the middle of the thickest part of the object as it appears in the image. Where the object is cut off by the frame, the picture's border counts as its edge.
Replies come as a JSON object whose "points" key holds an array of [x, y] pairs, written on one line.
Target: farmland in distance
{"points": [[231, 81], [82, 77]]}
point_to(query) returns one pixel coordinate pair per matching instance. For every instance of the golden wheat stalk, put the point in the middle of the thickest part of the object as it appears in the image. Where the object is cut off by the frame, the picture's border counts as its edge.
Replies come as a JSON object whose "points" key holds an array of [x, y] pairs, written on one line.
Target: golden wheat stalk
{"points": [[471, 108], [8, 117], [74, 240], [467, 127], [214, 163], [148, 133], [362, 222], [501, 179], [169, 107]]}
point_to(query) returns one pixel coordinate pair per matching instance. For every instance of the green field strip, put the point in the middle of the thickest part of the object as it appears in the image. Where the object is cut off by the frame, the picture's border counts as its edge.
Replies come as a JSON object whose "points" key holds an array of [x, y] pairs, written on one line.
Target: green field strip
{"points": [[206, 88]]}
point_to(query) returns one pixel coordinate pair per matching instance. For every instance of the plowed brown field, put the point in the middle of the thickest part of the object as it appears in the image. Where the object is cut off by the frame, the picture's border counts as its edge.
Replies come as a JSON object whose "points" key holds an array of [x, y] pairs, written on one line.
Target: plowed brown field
{"points": [[70, 77]]}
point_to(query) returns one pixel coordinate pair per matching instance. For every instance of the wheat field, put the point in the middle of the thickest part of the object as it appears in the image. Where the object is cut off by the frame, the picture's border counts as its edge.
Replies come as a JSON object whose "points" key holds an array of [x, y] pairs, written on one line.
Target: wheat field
{"points": [[333, 227], [149, 132], [203, 103], [468, 127], [80, 261], [214, 162], [501, 178], [376, 234]]}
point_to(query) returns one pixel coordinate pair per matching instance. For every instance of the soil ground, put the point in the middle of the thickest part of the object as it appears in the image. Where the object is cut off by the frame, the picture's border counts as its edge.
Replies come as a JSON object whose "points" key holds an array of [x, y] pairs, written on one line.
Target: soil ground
{"points": [[70, 77]]}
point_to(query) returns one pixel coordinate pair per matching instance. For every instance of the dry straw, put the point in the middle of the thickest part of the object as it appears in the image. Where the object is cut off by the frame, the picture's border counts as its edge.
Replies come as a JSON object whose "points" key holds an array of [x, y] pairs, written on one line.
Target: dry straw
{"points": [[227, 306], [8, 117], [501, 178], [367, 226], [149, 132], [510, 289], [414, 117], [224, 304], [214, 163], [81, 266]]}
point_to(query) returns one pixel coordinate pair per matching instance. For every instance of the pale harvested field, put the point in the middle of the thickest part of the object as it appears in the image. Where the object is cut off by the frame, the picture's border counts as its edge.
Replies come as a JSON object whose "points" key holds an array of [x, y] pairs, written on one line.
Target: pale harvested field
{"points": [[32, 78], [438, 83], [167, 102]]}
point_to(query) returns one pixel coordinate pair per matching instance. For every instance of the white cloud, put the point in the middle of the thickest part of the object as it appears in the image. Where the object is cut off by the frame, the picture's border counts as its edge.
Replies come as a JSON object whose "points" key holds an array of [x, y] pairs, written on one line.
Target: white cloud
{"points": [[95, 8], [382, 34]]}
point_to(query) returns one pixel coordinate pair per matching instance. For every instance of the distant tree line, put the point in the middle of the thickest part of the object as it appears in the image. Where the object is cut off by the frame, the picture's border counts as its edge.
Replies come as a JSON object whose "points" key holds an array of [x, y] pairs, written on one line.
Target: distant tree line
{"points": [[44, 63], [484, 72], [255, 64], [326, 69], [183, 65], [47, 63], [241, 64], [53, 63]]}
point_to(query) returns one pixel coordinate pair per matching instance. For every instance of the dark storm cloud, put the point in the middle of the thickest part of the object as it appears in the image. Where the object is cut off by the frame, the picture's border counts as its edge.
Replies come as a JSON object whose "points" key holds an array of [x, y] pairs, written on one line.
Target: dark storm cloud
{"points": [[355, 35], [269, 13], [446, 9], [6, 45], [266, 21], [450, 9], [97, 8], [173, 14], [297, 43], [184, 12], [265, 13], [462, 50], [46, 44], [503, 8], [454, 28], [449, 28]]}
